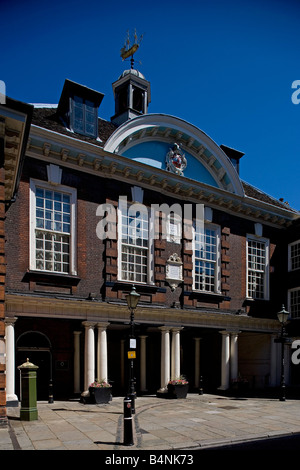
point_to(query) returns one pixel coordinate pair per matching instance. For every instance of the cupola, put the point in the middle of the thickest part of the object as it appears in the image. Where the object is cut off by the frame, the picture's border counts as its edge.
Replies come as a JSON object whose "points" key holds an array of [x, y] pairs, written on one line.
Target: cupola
{"points": [[132, 96]]}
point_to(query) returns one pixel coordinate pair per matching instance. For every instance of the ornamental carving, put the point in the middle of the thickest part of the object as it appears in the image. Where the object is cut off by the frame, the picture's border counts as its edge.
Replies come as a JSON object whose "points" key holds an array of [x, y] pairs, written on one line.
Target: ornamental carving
{"points": [[174, 271], [175, 160]]}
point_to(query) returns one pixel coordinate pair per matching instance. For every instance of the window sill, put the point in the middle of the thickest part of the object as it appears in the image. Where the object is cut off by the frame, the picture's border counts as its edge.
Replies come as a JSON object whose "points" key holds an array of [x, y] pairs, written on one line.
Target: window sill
{"points": [[206, 296], [48, 278]]}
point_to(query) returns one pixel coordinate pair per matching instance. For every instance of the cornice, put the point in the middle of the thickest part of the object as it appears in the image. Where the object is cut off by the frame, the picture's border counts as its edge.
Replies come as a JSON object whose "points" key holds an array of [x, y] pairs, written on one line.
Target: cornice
{"points": [[85, 310], [69, 152], [13, 128]]}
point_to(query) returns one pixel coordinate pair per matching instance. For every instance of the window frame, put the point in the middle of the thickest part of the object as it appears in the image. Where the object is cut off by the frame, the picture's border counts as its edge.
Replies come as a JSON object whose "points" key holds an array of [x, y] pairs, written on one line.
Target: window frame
{"points": [[295, 289], [217, 262], [72, 192], [297, 242], [266, 283], [84, 120], [150, 247]]}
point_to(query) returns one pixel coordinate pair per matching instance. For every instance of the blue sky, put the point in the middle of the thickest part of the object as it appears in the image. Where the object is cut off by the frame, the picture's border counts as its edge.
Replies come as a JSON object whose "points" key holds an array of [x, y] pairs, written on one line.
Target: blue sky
{"points": [[225, 66]]}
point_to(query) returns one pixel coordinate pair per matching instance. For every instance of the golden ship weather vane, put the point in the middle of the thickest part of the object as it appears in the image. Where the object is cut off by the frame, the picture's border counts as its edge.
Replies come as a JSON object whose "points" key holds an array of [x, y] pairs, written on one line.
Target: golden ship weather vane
{"points": [[130, 48]]}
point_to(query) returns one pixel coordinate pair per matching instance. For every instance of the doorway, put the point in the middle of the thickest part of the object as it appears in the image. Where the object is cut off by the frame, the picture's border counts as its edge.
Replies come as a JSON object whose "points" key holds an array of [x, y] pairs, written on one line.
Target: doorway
{"points": [[36, 347]]}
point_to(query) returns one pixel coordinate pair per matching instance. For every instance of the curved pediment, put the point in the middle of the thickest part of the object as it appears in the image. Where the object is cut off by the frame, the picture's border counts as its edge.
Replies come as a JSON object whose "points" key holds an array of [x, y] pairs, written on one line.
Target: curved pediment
{"points": [[149, 138]]}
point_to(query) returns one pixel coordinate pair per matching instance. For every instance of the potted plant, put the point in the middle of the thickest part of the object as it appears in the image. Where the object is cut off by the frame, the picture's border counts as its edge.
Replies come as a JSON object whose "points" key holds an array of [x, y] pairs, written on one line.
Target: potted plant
{"points": [[240, 384], [178, 388], [100, 392]]}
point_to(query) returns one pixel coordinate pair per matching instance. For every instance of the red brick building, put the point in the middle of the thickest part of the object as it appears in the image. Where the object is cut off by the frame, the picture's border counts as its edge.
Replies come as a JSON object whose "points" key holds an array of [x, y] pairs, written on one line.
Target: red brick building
{"points": [[147, 200], [15, 119]]}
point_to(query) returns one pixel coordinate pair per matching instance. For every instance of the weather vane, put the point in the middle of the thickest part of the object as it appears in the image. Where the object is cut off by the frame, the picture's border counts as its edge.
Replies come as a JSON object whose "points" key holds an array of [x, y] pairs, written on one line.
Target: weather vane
{"points": [[129, 49]]}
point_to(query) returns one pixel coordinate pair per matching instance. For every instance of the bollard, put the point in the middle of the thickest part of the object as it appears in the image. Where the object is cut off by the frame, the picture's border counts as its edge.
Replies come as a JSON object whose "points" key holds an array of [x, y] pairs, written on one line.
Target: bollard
{"points": [[131, 397], [128, 433], [201, 386], [28, 410]]}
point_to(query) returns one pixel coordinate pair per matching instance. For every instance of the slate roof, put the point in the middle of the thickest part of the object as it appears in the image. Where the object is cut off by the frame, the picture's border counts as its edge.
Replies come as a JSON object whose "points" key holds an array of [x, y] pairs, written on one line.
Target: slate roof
{"points": [[47, 118]]}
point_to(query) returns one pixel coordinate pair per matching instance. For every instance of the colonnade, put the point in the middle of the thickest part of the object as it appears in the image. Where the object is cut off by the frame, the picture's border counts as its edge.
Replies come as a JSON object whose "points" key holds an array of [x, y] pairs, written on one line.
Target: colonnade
{"points": [[96, 365]]}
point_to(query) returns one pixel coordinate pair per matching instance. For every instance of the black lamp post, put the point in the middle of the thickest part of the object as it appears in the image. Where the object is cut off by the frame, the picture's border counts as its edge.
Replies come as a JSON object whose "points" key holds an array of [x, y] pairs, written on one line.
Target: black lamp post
{"points": [[132, 301], [283, 317]]}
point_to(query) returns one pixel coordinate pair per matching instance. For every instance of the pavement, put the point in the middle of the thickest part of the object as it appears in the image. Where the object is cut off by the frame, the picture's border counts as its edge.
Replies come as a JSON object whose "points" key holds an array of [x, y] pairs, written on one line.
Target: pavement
{"points": [[198, 422]]}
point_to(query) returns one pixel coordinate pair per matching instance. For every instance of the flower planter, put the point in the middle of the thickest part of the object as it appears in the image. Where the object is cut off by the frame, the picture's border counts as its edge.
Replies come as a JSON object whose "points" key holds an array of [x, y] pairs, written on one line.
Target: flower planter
{"points": [[100, 395], [177, 391]]}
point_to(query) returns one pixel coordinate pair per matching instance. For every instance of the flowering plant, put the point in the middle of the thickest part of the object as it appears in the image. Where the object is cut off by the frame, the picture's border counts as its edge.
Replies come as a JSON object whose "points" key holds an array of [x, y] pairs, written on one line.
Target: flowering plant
{"points": [[239, 380], [100, 384], [179, 381]]}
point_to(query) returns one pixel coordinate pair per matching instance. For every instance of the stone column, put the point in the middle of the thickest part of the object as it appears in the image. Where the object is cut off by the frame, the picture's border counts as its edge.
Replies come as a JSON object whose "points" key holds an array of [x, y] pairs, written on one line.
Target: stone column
{"points": [[234, 355], [197, 362], [225, 370], [175, 358], [89, 355], [76, 361], [11, 397], [102, 352], [165, 359], [143, 387]]}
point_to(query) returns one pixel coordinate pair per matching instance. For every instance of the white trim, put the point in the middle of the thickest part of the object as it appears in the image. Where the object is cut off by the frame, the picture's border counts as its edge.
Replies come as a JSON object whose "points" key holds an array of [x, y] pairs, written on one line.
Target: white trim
{"points": [[266, 242], [150, 247], [162, 120], [73, 233], [289, 255], [217, 278], [295, 289]]}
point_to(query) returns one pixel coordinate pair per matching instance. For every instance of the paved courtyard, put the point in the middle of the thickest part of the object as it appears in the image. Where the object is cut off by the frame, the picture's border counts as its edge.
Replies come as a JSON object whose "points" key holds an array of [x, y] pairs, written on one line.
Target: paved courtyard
{"points": [[197, 422]]}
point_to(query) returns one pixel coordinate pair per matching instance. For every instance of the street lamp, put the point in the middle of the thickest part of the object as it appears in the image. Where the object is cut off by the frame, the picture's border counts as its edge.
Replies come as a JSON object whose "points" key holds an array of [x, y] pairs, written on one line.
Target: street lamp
{"points": [[283, 317], [132, 300]]}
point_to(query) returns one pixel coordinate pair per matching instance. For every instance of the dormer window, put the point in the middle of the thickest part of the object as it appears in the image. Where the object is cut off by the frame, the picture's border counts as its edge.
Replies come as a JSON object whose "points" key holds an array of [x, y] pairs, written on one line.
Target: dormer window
{"points": [[84, 117], [78, 108]]}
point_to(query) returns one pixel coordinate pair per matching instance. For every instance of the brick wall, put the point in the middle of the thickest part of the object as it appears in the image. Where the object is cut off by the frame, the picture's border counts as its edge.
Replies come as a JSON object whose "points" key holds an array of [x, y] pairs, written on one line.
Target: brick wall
{"points": [[97, 267]]}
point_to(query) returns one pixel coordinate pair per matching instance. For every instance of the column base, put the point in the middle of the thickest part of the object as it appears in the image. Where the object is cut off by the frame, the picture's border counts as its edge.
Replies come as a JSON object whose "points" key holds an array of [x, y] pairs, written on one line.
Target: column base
{"points": [[223, 387], [12, 401], [162, 393]]}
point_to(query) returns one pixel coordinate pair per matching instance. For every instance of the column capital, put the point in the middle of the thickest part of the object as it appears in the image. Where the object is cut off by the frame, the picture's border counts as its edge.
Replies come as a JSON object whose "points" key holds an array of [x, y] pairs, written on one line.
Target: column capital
{"points": [[10, 320], [89, 324], [102, 325], [234, 331], [164, 328], [224, 332], [176, 329], [77, 333]]}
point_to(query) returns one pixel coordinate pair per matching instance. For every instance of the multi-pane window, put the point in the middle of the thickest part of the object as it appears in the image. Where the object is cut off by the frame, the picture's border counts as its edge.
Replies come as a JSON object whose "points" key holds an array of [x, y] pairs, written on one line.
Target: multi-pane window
{"points": [[294, 302], [51, 214], [84, 117], [134, 244], [257, 262], [294, 255], [206, 259]]}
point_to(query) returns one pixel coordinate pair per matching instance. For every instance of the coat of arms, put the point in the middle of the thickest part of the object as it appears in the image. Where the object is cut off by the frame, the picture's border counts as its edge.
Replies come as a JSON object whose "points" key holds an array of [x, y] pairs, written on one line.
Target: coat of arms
{"points": [[175, 160]]}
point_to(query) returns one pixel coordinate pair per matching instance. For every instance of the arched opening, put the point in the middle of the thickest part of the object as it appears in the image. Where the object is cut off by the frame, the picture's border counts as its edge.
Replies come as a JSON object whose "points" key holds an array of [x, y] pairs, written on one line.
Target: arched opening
{"points": [[35, 346]]}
